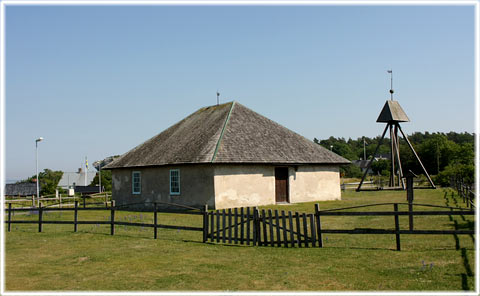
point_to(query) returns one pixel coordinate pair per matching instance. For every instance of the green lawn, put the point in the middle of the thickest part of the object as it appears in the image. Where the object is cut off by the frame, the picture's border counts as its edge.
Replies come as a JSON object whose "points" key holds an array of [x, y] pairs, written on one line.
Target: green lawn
{"points": [[92, 260]]}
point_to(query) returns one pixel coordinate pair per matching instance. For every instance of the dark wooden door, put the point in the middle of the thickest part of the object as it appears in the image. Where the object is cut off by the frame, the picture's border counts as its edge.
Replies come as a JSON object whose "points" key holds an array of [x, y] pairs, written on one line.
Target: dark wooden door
{"points": [[281, 184]]}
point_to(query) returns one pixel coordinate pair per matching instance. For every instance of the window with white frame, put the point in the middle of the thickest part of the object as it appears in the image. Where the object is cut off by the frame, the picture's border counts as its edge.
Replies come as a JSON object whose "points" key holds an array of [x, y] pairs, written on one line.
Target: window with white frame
{"points": [[136, 182], [174, 182]]}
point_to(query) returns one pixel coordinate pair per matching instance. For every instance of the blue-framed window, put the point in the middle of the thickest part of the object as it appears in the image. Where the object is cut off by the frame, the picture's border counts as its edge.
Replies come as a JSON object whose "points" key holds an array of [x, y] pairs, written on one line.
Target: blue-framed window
{"points": [[175, 182], [136, 182]]}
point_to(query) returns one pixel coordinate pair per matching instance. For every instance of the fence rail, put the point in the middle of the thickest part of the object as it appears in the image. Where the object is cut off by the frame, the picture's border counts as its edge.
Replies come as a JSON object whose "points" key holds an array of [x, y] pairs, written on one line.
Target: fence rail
{"points": [[112, 222], [63, 201]]}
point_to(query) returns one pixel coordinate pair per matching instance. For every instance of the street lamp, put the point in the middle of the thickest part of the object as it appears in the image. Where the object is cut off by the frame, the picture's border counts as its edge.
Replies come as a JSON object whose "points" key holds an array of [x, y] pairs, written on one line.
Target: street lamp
{"points": [[331, 147], [36, 159]]}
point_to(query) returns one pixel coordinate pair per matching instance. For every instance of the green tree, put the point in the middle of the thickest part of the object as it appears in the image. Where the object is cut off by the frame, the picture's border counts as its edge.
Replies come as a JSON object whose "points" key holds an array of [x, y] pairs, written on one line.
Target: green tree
{"points": [[48, 181], [380, 167], [106, 180], [350, 171]]}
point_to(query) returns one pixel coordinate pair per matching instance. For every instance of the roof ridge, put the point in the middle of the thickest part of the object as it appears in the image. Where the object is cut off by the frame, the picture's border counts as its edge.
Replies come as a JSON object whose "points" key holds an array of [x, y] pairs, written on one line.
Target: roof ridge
{"points": [[223, 130]]}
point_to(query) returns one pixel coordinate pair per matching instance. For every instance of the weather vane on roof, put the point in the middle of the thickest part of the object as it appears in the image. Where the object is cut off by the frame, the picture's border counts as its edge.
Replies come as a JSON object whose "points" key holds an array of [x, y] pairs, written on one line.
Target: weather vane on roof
{"points": [[391, 84]]}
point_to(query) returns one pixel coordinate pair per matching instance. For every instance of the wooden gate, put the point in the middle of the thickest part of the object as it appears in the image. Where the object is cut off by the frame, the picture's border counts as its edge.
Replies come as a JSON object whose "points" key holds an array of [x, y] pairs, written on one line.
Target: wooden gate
{"points": [[262, 228]]}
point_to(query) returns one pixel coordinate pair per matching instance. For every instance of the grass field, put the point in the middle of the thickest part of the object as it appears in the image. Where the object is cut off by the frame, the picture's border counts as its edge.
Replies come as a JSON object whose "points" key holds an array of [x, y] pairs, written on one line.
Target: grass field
{"points": [[92, 260]]}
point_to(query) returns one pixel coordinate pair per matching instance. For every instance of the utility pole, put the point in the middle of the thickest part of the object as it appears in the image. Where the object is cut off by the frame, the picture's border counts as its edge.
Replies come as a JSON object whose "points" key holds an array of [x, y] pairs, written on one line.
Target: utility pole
{"points": [[36, 160], [364, 150], [100, 177]]}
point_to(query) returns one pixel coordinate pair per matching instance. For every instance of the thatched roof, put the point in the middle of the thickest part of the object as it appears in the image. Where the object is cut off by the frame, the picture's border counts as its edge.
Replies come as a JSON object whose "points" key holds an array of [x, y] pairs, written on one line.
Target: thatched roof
{"points": [[227, 133], [392, 112]]}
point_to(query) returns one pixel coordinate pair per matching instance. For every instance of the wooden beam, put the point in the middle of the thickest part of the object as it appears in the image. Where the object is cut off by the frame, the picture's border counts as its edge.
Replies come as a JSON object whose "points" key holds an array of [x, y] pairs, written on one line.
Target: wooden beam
{"points": [[373, 156], [418, 158]]}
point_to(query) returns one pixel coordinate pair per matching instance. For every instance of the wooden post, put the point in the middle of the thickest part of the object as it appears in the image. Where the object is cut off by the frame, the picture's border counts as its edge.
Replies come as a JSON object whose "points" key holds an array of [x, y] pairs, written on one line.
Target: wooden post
{"points": [[284, 223], [256, 227], [235, 222], [305, 229], [224, 225], [397, 227], [392, 157], [248, 226], [229, 226], [84, 202], [155, 227], [60, 200], [217, 214], [410, 200], [272, 239], [319, 227], [468, 197], [265, 235], [112, 217], [205, 223], [33, 201], [279, 241], [212, 225], [75, 217], [416, 156], [312, 229], [106, 200], [9, 216], [242, 228], [40, 214], [290, 223], [299, 237]]}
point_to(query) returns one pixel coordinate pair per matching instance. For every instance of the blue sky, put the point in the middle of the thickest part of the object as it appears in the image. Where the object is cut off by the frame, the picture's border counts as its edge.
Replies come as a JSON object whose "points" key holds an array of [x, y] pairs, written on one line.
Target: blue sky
{"points": [[98, 80]]}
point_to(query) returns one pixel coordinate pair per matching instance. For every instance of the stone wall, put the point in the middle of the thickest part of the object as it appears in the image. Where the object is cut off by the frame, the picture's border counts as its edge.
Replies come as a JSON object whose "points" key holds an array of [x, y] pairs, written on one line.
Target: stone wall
{"points": [[196, 186]]}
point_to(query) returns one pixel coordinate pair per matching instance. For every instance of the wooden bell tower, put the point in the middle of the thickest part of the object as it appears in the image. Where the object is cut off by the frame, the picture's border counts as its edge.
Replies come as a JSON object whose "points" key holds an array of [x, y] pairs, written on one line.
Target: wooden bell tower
{"points": [[392, 114]]}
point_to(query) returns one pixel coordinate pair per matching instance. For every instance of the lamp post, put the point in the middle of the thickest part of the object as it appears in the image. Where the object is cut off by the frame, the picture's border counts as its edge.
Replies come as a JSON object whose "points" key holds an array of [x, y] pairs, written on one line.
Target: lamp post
{"points": [[36, 159]]}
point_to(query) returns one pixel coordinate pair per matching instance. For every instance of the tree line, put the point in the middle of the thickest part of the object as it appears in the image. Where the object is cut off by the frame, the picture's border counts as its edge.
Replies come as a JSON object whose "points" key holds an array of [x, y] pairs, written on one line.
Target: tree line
{"points": [[444, 155]]}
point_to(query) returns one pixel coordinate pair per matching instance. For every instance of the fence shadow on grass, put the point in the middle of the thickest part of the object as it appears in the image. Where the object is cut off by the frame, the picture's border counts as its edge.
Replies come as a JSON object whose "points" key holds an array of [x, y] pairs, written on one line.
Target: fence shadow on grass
{"points": [[463, 251]]}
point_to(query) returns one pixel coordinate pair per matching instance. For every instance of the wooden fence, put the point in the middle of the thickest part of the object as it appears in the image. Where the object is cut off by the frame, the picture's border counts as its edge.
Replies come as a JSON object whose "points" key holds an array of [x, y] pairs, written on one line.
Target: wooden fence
{"points": [[62, 201], [466, 192], [112, 222], [272, 228], [266, 227]]}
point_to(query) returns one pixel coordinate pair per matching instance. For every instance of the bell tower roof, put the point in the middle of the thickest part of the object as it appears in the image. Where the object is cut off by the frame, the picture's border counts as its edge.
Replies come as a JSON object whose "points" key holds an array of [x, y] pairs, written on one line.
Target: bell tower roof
{"points": [[392, 112]]}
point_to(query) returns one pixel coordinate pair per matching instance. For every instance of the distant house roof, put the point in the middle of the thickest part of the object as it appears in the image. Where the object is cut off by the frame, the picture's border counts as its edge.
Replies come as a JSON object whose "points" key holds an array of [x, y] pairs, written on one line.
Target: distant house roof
{"points": [[227, 133], [70, 178], [21, 189], [392, 111]]}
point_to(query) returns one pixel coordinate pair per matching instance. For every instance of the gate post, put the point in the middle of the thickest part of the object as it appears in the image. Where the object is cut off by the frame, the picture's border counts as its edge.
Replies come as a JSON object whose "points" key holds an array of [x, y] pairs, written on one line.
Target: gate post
{"points": [[155, 220], [112, 218], [9, 216], [40, 214], [410, 200], [319, 227], [205, 223], [75, 217], [397, 226]]}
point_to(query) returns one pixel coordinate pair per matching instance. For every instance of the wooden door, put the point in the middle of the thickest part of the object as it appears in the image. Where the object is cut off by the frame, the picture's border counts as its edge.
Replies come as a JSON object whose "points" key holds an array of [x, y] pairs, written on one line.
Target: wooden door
{"points": [[281, 184]]}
